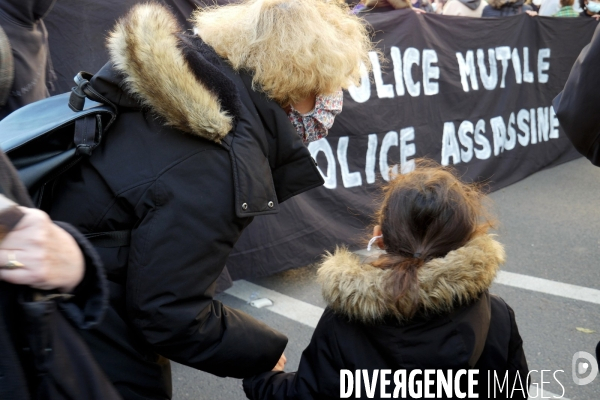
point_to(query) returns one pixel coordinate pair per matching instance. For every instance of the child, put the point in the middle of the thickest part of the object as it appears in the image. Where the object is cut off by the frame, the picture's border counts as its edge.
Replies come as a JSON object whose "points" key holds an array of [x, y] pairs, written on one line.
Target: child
{"points": [[423, 304]]}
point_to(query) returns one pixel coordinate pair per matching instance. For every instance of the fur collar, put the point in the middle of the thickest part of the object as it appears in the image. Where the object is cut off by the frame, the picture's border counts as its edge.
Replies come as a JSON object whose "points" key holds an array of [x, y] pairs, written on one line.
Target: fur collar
{"points": [[147, 48], [357, 290]]}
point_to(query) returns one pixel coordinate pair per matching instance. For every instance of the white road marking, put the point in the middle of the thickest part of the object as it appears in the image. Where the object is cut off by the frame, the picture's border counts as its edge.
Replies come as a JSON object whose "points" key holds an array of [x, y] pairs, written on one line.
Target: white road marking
{"points": [[549, 287], [532, 283], [309, 314], [286, 306]]}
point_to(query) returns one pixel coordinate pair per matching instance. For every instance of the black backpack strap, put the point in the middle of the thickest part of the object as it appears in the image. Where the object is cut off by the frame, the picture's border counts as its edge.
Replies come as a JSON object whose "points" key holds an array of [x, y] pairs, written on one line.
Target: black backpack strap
{"points": [[83, 90], [109, 239], [89, 129], [85, 138]]}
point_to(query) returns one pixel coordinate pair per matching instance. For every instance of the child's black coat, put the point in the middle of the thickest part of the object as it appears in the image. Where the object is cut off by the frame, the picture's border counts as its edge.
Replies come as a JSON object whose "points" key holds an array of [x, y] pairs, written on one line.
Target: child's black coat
{"points": [[462, 326]]}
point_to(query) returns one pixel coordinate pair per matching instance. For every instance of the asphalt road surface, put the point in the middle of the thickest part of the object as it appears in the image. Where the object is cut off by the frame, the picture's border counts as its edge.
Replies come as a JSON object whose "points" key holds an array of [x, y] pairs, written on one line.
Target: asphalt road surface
{"points": [[550, 226]]}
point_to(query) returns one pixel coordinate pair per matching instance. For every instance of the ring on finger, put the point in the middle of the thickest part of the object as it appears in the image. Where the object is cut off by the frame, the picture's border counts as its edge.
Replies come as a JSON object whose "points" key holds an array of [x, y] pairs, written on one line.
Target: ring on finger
{"points": [[12, 263]]}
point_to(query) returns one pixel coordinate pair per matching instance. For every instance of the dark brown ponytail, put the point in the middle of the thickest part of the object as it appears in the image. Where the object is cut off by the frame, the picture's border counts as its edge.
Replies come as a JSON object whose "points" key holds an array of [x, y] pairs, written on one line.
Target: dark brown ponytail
{"points": [[425, 214]]}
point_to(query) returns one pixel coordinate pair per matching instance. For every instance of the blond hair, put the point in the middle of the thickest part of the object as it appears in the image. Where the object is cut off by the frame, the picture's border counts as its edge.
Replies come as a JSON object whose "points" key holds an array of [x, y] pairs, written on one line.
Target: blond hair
{"points": [[293, 48]]}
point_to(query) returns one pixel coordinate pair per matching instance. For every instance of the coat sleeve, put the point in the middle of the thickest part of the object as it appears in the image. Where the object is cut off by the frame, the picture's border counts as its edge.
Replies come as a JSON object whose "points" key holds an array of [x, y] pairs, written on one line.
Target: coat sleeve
{"points": [[176, 254], [516, 355], [318, 375], [90, 296], [576, 106], [515, 362]]}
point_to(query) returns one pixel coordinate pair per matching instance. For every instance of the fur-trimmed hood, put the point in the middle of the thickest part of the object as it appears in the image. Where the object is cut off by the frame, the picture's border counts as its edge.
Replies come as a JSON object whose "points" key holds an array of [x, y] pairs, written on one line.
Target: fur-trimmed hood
{"points": [[182, 85], [173, 74], [358, 290]]}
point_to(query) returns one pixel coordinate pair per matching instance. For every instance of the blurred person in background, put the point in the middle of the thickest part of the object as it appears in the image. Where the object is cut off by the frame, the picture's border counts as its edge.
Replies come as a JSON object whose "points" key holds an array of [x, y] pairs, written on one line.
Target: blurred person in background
{"points": [[465, 8], [534, 4], [549, 7], [505, 8], [424, 5], [566, 10], [438, 6], [31, 72], [590, 9], [376, 6]]}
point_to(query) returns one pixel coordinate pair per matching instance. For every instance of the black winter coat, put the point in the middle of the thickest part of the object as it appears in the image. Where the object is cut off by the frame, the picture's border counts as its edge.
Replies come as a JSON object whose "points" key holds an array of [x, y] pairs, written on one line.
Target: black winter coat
{"points": [[362, 329], [80, 376], [577, 105], [193, 156]]}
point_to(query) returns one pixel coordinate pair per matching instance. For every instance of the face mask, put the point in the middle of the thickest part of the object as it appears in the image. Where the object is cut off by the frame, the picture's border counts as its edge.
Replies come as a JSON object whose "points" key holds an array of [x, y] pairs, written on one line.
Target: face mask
{"points": [[593, 7], [537, 2], [315, 124], [372, 241]]}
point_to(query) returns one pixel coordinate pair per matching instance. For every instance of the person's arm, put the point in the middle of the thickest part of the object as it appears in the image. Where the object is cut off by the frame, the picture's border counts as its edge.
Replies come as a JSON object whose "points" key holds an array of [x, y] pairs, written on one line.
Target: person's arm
{"points": [[318, 375], [56, 260], [576, 106], [188, 228]]}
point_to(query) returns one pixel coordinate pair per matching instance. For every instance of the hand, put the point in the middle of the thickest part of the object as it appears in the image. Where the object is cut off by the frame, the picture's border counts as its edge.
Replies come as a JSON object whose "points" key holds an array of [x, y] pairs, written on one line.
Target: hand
{"points": [[596, 17], [419, 11], [280, 364], [50, 257], [532, 13]]}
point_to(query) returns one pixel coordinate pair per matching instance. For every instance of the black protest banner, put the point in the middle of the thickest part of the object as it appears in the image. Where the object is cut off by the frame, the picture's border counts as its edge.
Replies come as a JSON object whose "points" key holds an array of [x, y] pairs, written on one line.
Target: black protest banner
{"points": [[77, 31], [472, 93]]}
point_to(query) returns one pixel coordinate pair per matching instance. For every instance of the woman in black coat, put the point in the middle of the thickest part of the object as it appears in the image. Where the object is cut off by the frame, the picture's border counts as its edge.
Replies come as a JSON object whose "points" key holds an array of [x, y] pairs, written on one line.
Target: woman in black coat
{"points": [[203, 144], [422, 305]]}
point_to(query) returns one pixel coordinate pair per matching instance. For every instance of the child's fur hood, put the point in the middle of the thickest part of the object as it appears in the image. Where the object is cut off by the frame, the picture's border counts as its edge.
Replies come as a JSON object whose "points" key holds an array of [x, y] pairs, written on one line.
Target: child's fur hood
{"points": [[358, 291], [179, 85]]}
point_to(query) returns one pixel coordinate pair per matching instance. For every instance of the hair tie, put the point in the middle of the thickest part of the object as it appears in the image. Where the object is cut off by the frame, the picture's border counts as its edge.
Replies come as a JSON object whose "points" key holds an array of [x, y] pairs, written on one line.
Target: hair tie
{"points": [[417, 255]]}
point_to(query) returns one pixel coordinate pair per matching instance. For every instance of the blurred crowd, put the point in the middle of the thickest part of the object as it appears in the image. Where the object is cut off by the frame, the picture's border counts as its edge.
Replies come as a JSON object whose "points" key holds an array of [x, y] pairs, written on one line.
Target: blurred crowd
{"points": [[487, 8]]}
